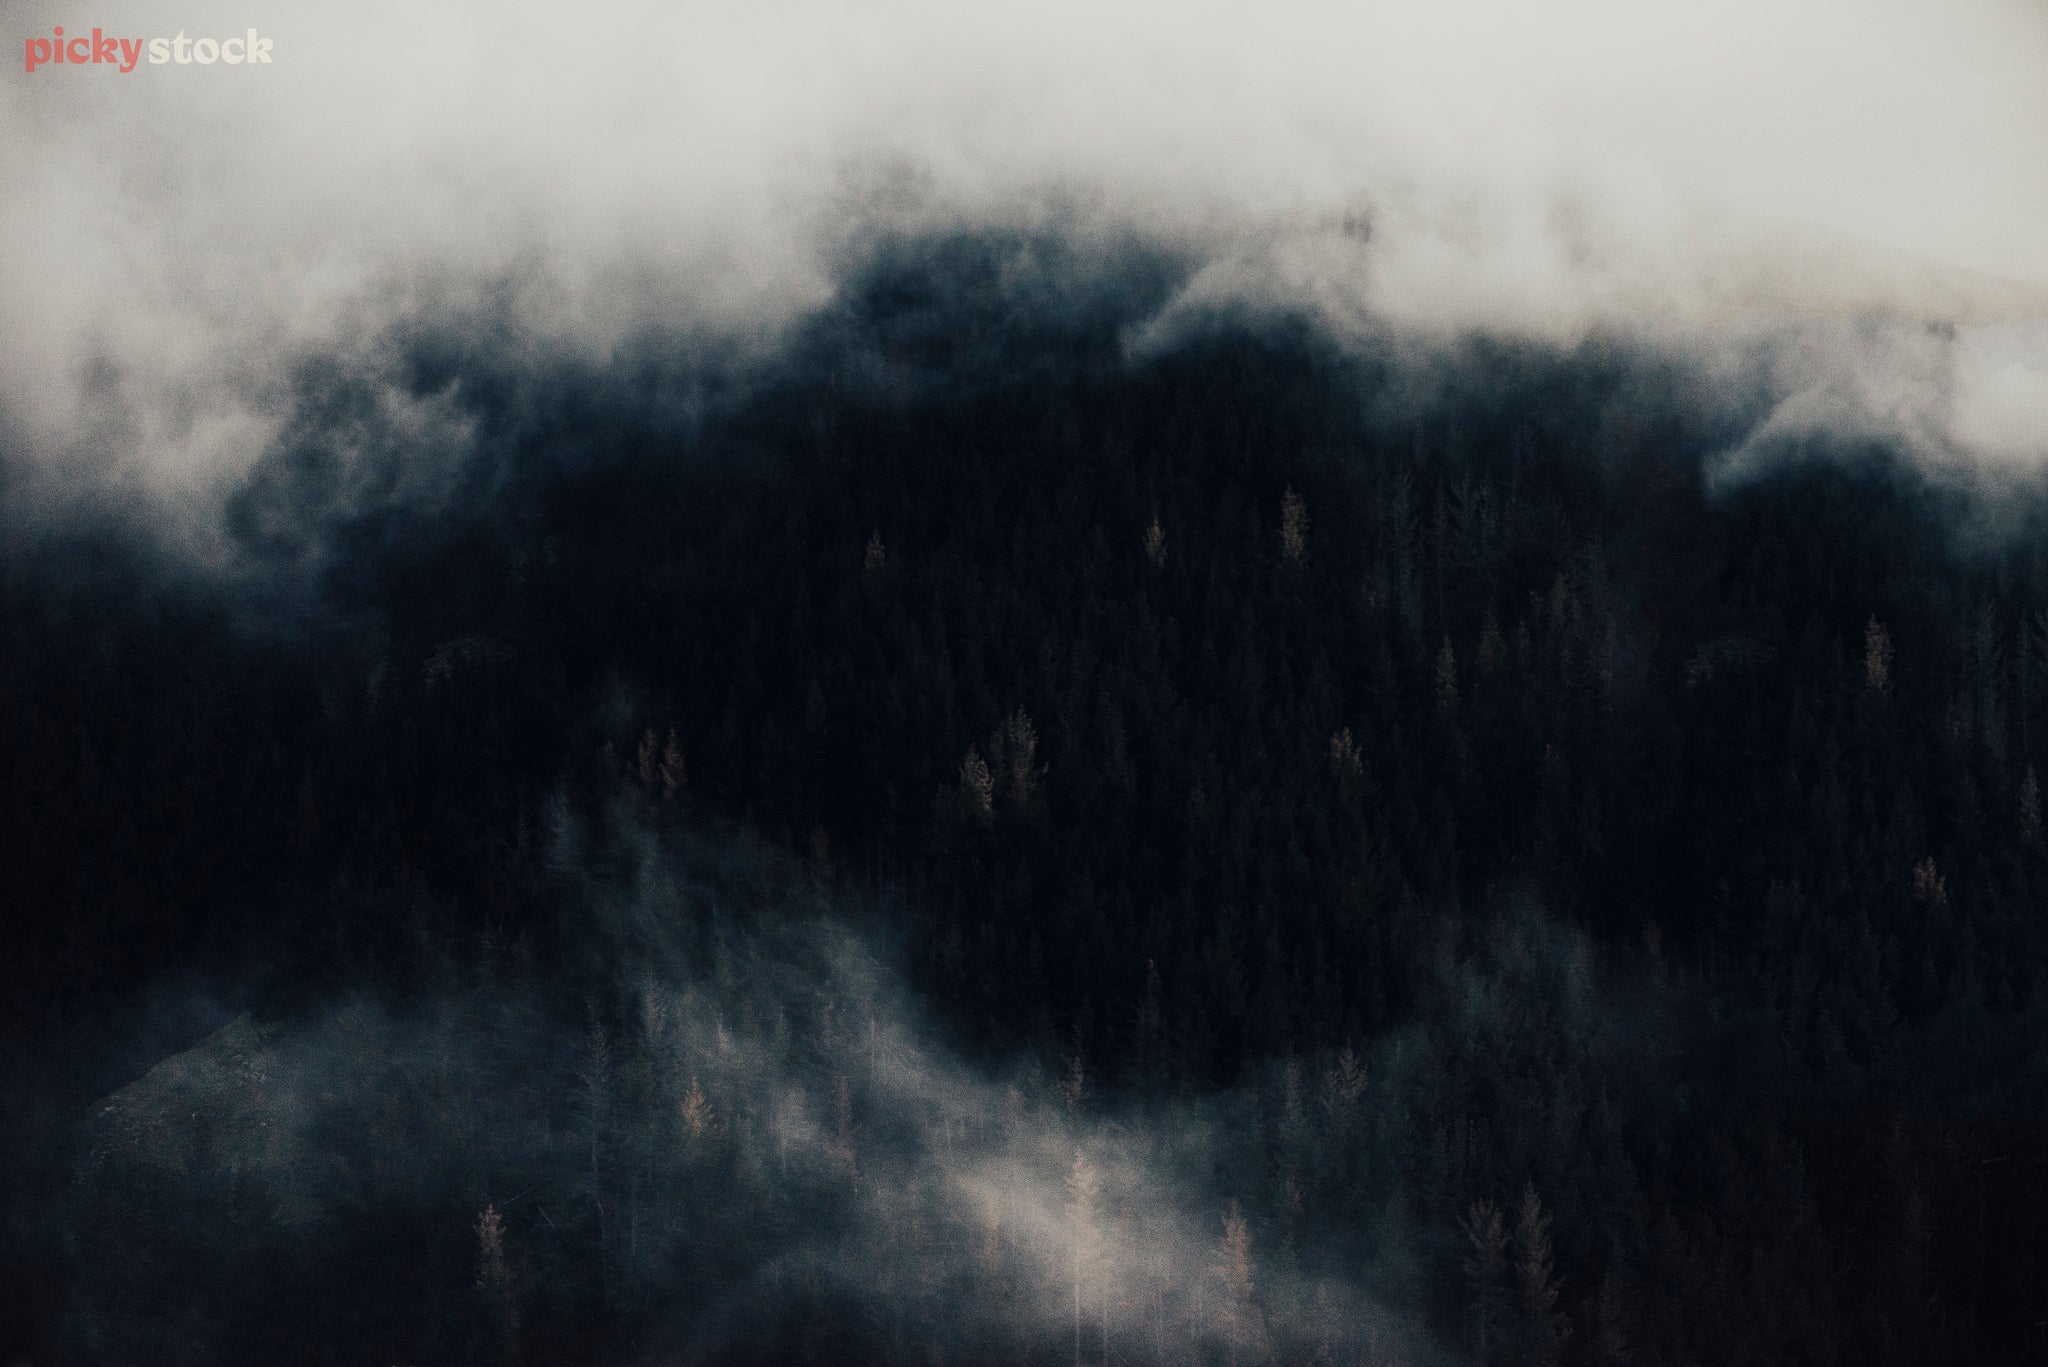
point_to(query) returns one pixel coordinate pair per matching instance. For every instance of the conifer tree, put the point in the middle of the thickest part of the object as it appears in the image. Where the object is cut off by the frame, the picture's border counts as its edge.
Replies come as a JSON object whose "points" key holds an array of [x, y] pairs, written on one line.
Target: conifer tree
{"points": [[1345, 761], [1155, 543], [1233, 1270], [1877, 656], [694, 1112], [494, 1279], [1486, 1273], [1541, 1328], [978, 786], [673, 774], [1293, 525], [1446, 679], [1609, 1313], [1020, 750]]}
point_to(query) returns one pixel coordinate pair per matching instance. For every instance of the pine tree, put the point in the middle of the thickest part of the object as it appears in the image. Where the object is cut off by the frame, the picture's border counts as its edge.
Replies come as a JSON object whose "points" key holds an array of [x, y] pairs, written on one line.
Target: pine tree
{"points": [[648, 760], [672, 772], [1345, 761], [1343, 1085], [1928, 884], [1877, 656], [978, 786], [1609, 1313], [491, 1271], [1020, 748], [694, 1112], [1486, 1273], [1446, 679], [1541, 1328], [1155, 543], [494, 1278], [1293, 525], [1073, 1083], [1233, 1269]]}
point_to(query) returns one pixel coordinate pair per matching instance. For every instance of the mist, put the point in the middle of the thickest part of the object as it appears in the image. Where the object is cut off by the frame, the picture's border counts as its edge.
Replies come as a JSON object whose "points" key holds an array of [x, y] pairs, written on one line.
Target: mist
{"points": [[181, 240], [725, 1123]]}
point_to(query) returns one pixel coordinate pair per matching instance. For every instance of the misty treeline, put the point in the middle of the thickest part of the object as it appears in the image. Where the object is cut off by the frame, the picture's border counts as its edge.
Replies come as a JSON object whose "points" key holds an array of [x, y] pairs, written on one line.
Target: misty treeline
{"points": [[723, 1130], [1385, 862]]}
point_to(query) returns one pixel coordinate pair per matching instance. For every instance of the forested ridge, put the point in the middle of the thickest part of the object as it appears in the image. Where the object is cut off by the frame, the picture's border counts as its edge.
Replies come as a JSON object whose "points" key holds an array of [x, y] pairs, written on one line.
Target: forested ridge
{"points": [[1567, 906]]}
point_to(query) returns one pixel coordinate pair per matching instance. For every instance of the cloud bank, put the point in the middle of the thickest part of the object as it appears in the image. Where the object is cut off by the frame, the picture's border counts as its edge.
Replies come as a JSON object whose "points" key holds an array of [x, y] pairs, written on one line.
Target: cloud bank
{"points": [[177, 241]]}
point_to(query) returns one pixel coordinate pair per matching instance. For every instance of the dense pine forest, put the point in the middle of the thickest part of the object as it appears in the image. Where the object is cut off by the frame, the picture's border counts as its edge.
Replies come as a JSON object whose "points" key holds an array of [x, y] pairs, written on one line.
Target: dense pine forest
{"points": [[1019, 823]]}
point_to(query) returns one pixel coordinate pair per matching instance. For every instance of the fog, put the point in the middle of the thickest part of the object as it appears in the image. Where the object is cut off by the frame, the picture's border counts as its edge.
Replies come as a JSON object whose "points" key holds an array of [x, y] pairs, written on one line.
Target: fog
{"points": [[748, 1115], [1700, 177]]}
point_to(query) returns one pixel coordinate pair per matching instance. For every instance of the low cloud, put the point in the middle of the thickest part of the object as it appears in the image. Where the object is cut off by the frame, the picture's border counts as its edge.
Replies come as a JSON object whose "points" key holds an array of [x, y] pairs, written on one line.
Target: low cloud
{"points": [[180, 242]]}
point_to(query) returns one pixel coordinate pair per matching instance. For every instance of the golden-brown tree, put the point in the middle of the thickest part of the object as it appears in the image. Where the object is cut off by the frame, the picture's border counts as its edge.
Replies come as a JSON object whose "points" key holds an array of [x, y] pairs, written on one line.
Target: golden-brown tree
{"points": [[1293, 525], [694, 1112], [1155, 543], [1345, 761], [1928, 884], [978, 786], [1877, 656]]}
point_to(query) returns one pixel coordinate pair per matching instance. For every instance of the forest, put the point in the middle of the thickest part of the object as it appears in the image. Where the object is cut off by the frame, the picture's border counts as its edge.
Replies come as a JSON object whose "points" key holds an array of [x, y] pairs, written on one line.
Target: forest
{"points": [[1022, 823]]}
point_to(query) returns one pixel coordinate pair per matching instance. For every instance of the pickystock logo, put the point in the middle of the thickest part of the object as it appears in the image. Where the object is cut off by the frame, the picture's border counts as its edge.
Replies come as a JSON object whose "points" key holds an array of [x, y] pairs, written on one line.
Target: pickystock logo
{"points": [[123, 54]]}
